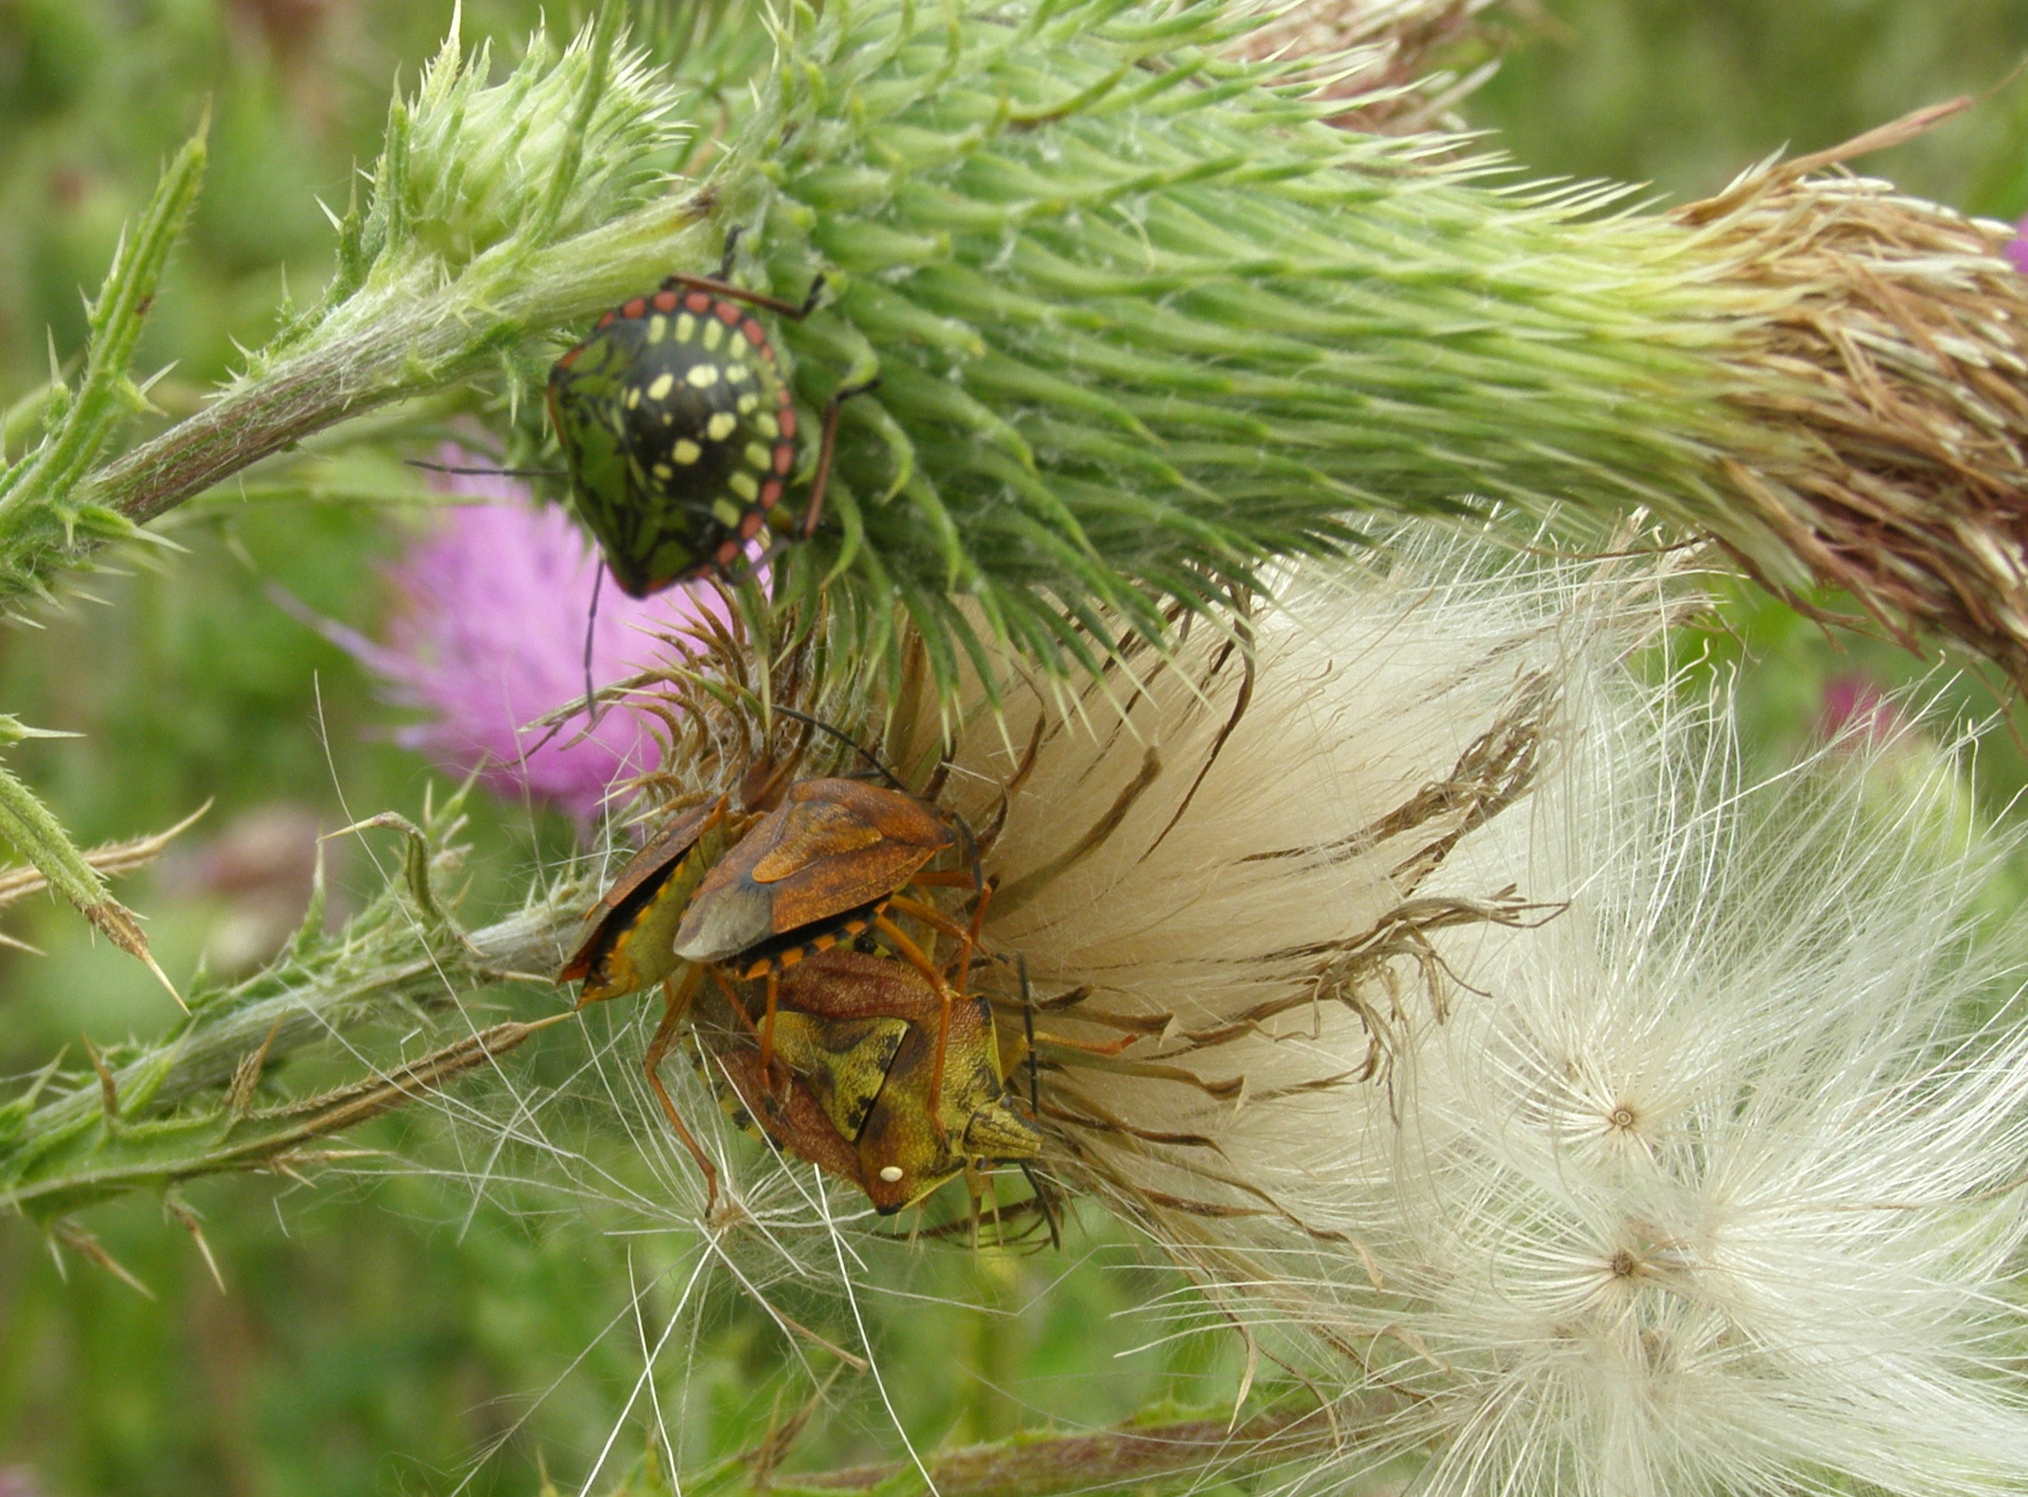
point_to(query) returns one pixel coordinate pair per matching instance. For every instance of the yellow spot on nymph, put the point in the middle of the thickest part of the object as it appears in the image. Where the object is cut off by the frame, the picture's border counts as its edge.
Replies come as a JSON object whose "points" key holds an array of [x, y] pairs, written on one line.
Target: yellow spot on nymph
{"points": [[664, 383], [658, 328], [702, 375], [890, 1173], [633, 397], [760, 455], [721, 425], [726, 513], [737, 373], [686, 328], [686, 451], [743, 485], [747, 402], [714, 333], [769, 427], [662, 471]]}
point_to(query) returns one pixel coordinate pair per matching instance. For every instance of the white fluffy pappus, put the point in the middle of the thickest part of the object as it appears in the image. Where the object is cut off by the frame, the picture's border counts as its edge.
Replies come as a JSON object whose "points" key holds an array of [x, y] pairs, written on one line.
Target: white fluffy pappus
{"points": [[1717, 1191], [1572, 1117]]}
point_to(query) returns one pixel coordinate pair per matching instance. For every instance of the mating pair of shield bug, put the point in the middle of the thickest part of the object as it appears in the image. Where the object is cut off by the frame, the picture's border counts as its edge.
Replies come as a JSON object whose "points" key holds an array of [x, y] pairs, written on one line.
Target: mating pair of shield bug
{"points": [[761, 903], [681, 436]]}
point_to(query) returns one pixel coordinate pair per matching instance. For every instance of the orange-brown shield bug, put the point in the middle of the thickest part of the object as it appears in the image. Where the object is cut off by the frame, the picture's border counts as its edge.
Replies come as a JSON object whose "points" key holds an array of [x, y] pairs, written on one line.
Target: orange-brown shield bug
{"points": [[866, 1099]]}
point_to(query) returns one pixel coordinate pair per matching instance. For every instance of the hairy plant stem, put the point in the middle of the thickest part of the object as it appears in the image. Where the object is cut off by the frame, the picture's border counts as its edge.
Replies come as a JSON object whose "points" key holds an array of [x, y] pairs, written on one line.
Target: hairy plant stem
{"points": [[438, 340], [183, 1105]]}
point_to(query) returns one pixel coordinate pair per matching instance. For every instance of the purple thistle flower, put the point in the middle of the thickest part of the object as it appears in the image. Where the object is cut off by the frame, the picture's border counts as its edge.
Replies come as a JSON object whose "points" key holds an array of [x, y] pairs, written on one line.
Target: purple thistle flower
{"points": [[488, 635], [1853, 703], [2017, 247]]}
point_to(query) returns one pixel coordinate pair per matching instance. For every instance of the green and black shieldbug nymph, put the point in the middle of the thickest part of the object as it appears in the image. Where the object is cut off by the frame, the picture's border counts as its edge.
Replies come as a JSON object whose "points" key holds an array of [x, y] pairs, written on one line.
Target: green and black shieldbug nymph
{"points": [[680, 429]]}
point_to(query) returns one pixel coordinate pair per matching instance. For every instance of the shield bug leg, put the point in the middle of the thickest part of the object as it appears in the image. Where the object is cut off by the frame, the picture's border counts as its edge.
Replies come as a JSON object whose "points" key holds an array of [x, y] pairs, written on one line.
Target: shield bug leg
{"points": [[454, 469], [820, 481], [1033, 1065], [731, 248], [780, 1075], [675, 1004], [772, 1001], [591, 623], [721, 284], [1028, 1035], [909, 952], [968, 941]]}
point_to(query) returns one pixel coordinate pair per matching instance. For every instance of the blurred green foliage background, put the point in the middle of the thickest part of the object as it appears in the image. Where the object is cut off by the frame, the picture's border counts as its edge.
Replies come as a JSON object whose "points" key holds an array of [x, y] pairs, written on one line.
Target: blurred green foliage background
{"points": [[380, 1333]]}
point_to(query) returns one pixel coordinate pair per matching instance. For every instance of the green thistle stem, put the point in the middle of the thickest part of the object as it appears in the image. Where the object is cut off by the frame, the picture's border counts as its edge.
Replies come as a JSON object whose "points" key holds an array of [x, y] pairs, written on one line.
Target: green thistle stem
{"points": [[440, 339], [182, 1105]]}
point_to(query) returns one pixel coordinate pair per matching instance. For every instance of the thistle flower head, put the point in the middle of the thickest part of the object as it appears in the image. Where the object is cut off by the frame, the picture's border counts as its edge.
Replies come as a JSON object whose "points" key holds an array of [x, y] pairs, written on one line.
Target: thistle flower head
{"points": [[1570, 1115], [1586, 1120], [568, 139], [1144, 323], [1713, 1190]]}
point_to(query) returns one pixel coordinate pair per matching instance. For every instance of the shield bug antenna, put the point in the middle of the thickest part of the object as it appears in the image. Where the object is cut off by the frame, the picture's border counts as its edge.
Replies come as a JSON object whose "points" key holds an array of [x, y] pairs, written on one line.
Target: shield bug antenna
{"points": [[893, 779]]}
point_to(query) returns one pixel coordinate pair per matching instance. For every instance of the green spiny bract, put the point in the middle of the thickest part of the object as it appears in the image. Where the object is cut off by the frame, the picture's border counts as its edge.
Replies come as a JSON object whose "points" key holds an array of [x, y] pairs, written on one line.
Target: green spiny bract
{"points": [[567, 142], [185, 1104], [1142, 322], [46, 516]]}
